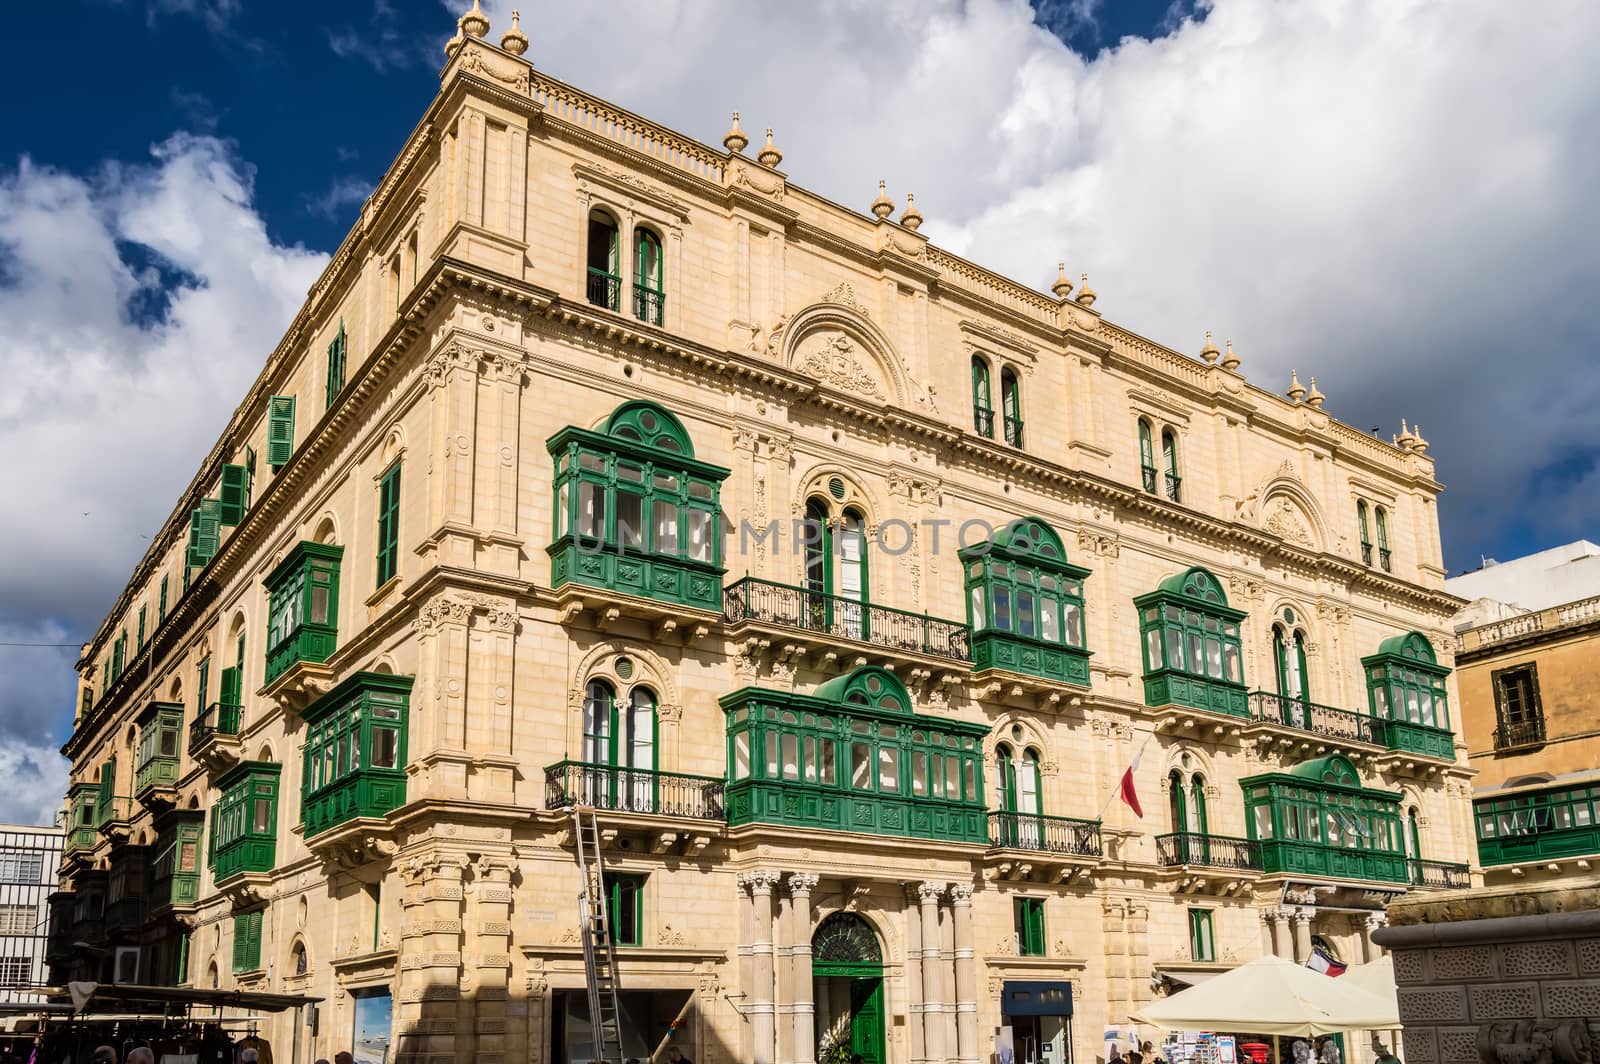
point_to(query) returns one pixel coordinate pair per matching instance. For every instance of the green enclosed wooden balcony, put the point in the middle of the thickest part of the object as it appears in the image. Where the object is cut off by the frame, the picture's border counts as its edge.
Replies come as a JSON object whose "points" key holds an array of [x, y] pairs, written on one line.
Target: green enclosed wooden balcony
{"points": [[631, 790], [1317, 819], [1535, 824], [636, 514], [1025, 604], [83, 824], [1191, 642], [159, 729], [1207, 851], [125, 914], [1417, 738], [244, 821], [1406, 691], [175, 873], [113, 812], [852, 756], [355, 752], [303, 608], [772, 605]]}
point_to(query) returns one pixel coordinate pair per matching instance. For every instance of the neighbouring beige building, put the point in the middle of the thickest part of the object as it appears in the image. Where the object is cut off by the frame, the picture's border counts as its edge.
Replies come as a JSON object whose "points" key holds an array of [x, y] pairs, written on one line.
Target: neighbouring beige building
{"points": [[843, 576], [1528, 655]]}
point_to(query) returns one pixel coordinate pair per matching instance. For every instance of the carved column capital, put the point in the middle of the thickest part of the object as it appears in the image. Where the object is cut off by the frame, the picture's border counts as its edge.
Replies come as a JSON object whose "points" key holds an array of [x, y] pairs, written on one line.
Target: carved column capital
{"points": [[801, 884], [930, 891], [961, 893]]}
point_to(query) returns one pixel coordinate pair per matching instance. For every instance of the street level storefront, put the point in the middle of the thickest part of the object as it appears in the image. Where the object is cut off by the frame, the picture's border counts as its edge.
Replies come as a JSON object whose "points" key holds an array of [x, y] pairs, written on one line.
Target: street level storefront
{"points": [[1039, 1015]]}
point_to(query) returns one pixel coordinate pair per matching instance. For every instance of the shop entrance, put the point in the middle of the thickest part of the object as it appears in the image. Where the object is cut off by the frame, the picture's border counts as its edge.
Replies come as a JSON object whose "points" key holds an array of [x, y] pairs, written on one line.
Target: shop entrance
{"points": [[847, 974], [1040, 1017], [650, 1022]]}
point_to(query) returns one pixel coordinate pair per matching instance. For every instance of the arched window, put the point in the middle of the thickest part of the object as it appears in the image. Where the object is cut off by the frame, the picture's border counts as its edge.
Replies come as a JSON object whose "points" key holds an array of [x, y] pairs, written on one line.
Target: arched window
{"points": [[1169, 459], [1197, 805], [1382, 517], [605, 271], [649, 289], [1147, 457], [1366, 536], [982, 411], [1289, 661], [836, 571], [619, 747], [1011, 406], [1413, 835], [1192, 648], [1025, 603], [1177, 803], [297, 958]]}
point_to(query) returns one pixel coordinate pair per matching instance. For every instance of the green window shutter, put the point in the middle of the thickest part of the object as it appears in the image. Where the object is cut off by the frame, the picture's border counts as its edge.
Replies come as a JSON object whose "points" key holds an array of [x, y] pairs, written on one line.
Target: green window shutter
{"points": [[161, 610], [142, 611], [388, 524], [280, 430], [229, 693], [200, 685], [205, 532], [235, 495], [336, 366], [88, 701], [241, 931]]}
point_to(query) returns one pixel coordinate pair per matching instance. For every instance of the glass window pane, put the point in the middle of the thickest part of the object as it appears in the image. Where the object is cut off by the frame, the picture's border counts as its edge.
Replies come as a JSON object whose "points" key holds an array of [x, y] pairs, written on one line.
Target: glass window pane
{"points": [[952, 776], [319, 605], [666, 527], [791, 756], [888, 769], [976, 596], [825, 774], [1175, 658], [772, 755], [630, 520], [385, 747], [1152, 648], [1002, 609], [919, 773], [861, 766], [261, 820], [1026, 620], [1049, 623], [1213, 657], [741, 755], [700, 535], [591, 510], [630, 471], [1230, 664]]}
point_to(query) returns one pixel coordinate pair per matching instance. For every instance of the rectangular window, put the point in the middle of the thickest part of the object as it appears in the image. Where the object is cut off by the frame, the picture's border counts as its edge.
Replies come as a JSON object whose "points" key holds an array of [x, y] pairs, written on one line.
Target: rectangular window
{"points": [[142, 611], [1518, 711], [280, 430], [625, 909], [1028, 926], [18, 919], [234, 495], [16, 971], [1201, 945], [336, 366], [161, 609], [205, 532], [389, 524], [247, 941]]}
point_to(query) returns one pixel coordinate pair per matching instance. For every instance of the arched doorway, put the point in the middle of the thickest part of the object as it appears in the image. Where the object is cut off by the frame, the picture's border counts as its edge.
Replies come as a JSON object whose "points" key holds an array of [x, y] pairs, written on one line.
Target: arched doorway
{"points": [[847, 967]]}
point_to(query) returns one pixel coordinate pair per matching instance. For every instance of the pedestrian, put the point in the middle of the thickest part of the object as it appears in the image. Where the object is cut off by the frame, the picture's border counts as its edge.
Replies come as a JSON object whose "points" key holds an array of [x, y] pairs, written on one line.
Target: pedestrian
{"points": [[1134, 1057], [343, 1057], [105, 1055], [677, 1056], [1116, 1054], [322, 1060], [141, 1055]]}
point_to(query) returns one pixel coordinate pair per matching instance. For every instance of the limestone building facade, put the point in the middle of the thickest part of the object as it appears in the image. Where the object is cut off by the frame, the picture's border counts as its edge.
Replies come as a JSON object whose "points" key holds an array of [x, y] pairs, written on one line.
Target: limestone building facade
{"points": [[844, 577]]}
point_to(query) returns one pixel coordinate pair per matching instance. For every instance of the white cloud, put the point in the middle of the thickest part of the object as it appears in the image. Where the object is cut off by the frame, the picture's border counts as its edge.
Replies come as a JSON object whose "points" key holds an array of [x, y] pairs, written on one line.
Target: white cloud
{"points": [[1394, 195], [137, 304]]}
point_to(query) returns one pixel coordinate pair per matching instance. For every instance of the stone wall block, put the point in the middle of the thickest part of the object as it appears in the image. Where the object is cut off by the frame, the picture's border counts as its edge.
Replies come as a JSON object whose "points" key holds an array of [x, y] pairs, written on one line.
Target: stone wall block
{"points": [[1421, 1045], [1589, 956], [1536, 960], [1461, 963], [1410, 968], [1505, 1001], [1458, 1045], [1433, 1004], [1575, 999]]}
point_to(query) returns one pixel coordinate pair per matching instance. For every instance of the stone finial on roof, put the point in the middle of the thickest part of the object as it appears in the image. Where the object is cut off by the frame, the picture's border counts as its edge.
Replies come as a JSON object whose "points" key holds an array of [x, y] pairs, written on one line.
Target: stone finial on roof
{"points": [[1407, 439], [911, 218], [1297, 391], [1314, 397], [474, 23], [1062, 285], [734, 139], [1086, 295], [770, 155], [1230, 360], [1418, 444], [883, 206], [514, 40], [1209, 353]]}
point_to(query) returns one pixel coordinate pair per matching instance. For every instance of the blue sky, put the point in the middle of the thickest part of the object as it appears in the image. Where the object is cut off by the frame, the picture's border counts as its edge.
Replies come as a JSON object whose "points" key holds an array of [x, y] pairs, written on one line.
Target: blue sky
{"points": [[1392, 195]]}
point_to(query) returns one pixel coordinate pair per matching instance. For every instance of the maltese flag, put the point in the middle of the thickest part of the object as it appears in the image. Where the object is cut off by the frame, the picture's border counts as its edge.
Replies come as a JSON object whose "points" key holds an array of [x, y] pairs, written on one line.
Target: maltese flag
{"points": [[1321, 962], [1126, 790]]}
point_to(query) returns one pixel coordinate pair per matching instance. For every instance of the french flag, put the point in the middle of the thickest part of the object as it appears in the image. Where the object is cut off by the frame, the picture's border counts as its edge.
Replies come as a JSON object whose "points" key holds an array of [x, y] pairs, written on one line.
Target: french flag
{"points": [[1321, 962]]}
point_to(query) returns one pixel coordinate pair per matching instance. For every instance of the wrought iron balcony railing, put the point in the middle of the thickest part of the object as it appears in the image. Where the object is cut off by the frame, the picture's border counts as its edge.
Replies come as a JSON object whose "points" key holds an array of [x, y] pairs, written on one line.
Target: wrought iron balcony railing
{"points": [[1013, 426], [648, 304], [983, 421], [1318, 719], [218, 719], [1211, 851], [605, 289], [633, 790], [1441, 874], [1148, 474], [1384, 559], [1047, 834], [1521, 733], [1174, 487], [1366, 554], [843, 618]]}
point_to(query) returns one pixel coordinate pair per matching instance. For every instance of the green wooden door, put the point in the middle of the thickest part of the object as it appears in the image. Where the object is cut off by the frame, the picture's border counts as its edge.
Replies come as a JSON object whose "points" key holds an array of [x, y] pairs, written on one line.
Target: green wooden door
{"points": [[866, 1018]]}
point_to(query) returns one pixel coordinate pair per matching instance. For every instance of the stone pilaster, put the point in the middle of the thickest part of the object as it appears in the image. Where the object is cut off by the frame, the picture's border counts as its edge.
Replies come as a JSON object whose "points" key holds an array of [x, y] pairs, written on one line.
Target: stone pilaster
{"points": [[491, 955], [1300, 920], [932, 974], [431, 966], [966, 974], [913, 933], [805, 1033], [1279, 921], [762, 1020]]}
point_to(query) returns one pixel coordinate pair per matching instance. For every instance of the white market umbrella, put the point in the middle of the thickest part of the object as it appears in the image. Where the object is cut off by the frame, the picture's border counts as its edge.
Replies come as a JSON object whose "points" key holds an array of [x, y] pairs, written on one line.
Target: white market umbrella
{"points": [[1375, 977], [1271, 995]]}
